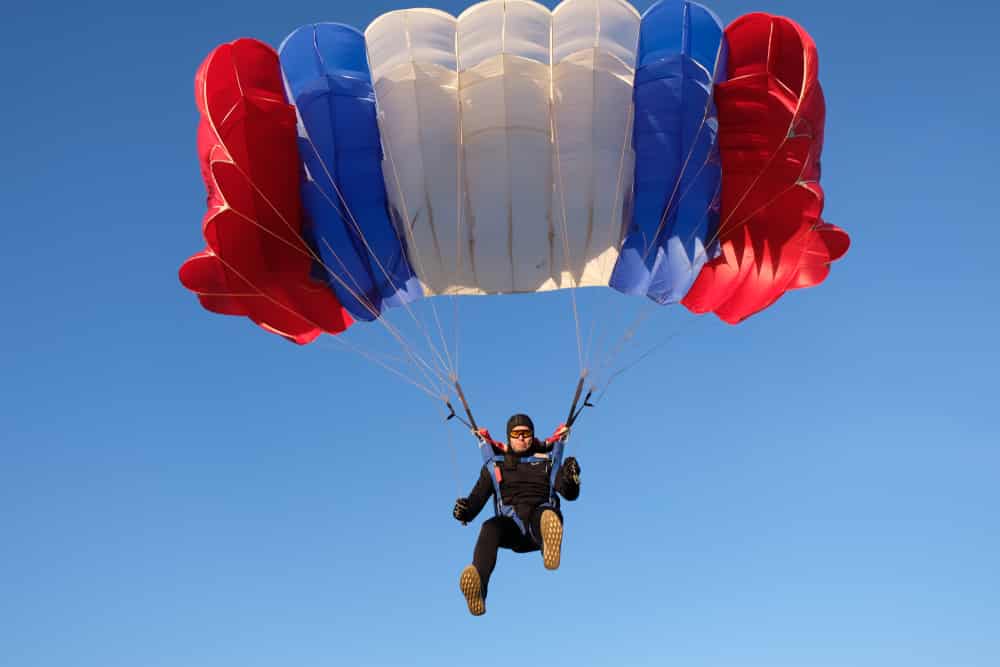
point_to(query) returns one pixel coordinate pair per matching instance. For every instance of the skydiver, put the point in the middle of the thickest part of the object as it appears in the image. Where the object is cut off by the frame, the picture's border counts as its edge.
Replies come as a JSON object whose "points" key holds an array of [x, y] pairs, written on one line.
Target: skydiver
{"points": [[527, 516]]}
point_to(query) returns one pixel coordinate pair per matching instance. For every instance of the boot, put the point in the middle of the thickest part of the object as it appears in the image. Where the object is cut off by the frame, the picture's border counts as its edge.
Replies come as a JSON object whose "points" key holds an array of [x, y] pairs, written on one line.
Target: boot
{"points": [[552, 533], [472, 589]]}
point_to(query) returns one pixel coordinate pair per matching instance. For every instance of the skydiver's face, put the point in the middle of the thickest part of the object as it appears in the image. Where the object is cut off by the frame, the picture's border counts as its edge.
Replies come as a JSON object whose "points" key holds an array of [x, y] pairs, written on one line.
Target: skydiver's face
{"points": [[521, 439]]}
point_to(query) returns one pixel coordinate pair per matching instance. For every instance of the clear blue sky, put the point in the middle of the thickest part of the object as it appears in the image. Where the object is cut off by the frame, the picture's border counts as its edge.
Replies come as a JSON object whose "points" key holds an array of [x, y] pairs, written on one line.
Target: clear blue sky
{"points": [[818, 486]]}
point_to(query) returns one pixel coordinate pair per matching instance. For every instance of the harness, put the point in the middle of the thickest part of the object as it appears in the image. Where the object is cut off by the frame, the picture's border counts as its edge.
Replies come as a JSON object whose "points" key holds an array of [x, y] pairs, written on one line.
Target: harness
{"points": [[492, 460]]}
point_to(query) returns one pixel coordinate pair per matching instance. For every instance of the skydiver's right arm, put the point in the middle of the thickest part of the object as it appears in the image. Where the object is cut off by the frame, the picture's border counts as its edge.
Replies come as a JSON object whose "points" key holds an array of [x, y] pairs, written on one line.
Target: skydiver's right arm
{"points": [[480, 494]]}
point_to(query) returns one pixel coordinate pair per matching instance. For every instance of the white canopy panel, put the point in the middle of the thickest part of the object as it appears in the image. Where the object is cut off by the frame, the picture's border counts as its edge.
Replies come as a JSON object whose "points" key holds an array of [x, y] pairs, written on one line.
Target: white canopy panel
{"points": [[507, 138]]}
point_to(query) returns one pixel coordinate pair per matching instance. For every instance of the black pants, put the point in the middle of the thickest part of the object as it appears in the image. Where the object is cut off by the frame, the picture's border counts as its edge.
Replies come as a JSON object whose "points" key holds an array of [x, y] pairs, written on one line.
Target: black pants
{"points": [[501, 532]]}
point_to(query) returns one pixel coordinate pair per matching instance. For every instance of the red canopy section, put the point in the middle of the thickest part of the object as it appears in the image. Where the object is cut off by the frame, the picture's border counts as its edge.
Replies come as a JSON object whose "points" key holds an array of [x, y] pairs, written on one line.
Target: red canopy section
{"points": [[256, 263], [771, 114]]}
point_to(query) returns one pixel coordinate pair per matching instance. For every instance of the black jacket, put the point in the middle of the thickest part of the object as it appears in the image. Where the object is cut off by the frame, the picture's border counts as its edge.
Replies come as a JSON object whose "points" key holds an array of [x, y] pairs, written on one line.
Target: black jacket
{"points": [[524, 486]]}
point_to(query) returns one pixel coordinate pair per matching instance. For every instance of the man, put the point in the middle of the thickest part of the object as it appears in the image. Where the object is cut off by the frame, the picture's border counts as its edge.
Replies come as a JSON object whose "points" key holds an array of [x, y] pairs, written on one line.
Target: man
{"points": [[524, 492]]}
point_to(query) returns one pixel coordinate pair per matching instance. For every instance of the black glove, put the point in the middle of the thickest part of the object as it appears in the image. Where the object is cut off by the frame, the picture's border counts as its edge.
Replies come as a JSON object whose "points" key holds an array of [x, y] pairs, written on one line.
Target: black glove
{"points": [[461, 511], [572, 469]]}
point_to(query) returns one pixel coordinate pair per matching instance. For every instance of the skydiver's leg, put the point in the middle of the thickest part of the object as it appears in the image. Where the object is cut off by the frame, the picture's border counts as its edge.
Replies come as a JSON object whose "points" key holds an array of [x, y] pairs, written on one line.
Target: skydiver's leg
{"points": [[547, 531], [475, 578], [495, 533]]}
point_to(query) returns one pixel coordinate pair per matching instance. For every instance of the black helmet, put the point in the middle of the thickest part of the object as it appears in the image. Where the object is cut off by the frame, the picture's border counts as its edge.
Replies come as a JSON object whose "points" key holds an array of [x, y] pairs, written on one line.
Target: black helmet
{"points": [[519, 420]]}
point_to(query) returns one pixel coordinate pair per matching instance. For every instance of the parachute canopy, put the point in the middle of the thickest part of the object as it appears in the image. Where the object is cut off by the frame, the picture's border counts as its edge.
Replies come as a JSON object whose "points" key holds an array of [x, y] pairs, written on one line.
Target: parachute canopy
{"points": [[511, 149]]}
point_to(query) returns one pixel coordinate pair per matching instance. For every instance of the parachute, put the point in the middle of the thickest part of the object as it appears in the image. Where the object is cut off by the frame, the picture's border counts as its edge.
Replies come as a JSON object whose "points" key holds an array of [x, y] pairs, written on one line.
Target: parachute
{"points": [[511, 149]]}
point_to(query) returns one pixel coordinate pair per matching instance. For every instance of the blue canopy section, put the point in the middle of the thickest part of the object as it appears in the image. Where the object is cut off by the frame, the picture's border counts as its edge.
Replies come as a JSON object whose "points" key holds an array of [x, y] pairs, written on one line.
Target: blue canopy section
{"points": [[326, 71], [682, 54]]}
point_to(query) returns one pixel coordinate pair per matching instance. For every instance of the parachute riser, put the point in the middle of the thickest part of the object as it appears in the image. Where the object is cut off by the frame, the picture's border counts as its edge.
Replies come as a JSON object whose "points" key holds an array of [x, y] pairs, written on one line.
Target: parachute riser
{"points": [[453, 415], [574, 413], [471, 423], [465, 404]]}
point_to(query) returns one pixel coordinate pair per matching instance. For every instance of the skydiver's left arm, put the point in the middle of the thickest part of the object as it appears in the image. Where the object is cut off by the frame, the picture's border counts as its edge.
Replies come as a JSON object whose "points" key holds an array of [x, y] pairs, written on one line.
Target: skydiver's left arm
{"points": [[568, 479]]}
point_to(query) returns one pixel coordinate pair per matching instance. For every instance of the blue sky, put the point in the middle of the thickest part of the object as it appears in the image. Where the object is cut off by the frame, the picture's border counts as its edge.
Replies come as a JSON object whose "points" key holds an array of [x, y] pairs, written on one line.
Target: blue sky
{"points": [[818, 486]]}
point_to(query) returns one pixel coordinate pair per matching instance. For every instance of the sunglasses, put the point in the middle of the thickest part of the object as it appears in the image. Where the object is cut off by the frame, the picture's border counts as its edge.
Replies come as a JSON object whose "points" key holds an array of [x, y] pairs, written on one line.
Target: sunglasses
{"points": [[521, 434]]}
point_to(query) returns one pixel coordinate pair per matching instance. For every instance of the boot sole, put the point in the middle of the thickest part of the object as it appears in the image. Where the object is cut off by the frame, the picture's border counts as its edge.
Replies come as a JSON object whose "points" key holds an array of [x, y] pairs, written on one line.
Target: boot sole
{"points": [[472, 589], [552, 534]]}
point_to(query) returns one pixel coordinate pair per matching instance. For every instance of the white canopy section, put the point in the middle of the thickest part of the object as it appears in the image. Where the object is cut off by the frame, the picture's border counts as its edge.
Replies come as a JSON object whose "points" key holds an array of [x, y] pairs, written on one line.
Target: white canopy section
{"points": [[507, 137]]}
